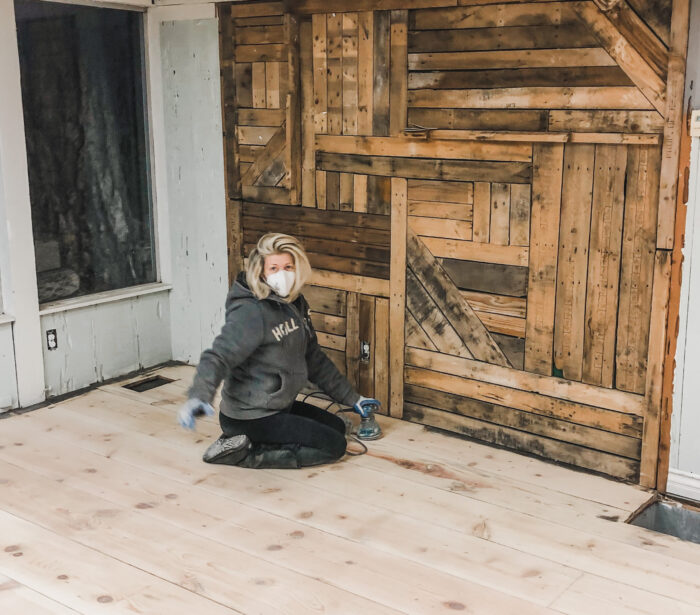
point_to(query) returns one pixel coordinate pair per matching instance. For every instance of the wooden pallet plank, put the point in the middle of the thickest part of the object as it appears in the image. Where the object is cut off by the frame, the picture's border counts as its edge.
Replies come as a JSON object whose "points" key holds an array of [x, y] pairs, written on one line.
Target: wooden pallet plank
{"points": [[382, 80], [546, 211], [445, 229], [333, 191], [352, 335], [260, 117], [266, 156], [328, 301], [261, 53], [537, 97], [416, 147], [292, 102], [604, 264], [442, 191], [577, 195], [272, 85], [320, 190], [654, 377], [673, 127], [398, 72], [397, 305], [336, 325], [596, 76], [381, 352], [335, 73], [506, 59], [350, 72], [500, 214], [365, 74], [320, 69], [579, 414], [244, 84], [627, 57], [453, 170], [637, 267], [481, 214], [360, 193], [379, 195], [415, 335], [259, 85], [347, 191], [456, 309], [367, 334], [477, 251], [610, 399], [605, 121], [436, 209], [433, 321], [520, 205], [308, 112]]}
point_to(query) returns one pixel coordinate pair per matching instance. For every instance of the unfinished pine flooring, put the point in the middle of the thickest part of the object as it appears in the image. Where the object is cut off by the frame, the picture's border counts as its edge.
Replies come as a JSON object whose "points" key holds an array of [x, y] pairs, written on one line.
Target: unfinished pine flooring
{"points": [[106, 507]]}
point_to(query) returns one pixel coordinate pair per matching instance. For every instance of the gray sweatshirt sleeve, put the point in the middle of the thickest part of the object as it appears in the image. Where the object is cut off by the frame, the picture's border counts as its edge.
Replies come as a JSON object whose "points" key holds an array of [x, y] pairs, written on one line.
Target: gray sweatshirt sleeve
{"points": [[241, 334], [324, 374]]}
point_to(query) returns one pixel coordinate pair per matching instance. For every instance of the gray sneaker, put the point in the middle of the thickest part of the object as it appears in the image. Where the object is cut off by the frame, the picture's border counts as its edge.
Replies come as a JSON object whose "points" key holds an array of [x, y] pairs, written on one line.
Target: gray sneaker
{"points": [[228, 450]]}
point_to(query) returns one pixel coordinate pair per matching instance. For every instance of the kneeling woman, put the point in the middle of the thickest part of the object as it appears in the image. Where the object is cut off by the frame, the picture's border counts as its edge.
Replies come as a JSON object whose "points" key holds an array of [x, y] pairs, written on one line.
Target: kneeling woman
{"points": [[265, 353]]}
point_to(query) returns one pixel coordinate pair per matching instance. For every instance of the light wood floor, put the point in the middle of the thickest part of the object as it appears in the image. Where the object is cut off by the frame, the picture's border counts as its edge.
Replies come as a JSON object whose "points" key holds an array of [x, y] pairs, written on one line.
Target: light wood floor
{"points": [[105, 506]]}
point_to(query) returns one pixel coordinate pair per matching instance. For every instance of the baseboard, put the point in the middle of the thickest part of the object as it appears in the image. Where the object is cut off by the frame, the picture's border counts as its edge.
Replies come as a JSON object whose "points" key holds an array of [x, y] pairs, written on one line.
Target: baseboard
{"points": [[684, 484]]}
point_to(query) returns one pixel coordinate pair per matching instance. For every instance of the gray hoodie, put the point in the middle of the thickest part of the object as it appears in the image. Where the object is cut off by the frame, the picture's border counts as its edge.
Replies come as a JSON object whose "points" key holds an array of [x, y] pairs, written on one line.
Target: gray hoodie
{"points": [[266, 352]]}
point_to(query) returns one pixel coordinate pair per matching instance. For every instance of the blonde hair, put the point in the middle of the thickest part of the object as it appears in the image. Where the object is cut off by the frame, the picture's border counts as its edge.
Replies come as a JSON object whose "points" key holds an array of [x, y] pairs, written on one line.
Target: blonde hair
{"points": [[277, 243]]}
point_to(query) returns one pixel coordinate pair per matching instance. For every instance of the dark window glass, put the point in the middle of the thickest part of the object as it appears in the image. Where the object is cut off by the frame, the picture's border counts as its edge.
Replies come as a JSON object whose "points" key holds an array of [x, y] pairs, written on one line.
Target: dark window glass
{"points": [[84, 118]]}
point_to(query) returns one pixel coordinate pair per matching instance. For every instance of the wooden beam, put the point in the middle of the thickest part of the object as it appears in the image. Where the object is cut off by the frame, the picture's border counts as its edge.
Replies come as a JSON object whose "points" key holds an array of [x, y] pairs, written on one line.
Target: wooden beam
{"points": [[308, 108], [397, 305], [544, 243], [533, 97], [350, 282], [654, 380], [292, 180], [626, 56], [675, 93], [398, 72], [477, 251], [405, 146]]}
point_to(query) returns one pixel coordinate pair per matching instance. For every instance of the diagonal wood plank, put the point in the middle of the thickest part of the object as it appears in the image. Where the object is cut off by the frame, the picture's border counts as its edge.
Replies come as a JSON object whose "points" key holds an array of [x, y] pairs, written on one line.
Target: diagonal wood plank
{"points": [[623, 52], [267, 156], [423, 308], [453, 305]]}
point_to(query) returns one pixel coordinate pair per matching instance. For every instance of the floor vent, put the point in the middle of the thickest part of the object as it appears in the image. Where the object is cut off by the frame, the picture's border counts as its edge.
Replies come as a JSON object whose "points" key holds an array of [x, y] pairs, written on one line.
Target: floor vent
{"points": [[152, 382], [671, 518]]}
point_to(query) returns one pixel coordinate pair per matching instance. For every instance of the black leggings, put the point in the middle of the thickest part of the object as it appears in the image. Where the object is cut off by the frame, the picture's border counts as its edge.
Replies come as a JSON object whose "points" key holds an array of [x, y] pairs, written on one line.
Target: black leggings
{"points": [[302, 436]]}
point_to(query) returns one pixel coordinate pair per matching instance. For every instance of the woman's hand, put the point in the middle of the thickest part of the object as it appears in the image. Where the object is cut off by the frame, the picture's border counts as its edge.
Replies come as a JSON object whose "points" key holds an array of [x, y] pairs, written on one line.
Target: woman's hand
{"points": [[191, 410], [364, 405]]}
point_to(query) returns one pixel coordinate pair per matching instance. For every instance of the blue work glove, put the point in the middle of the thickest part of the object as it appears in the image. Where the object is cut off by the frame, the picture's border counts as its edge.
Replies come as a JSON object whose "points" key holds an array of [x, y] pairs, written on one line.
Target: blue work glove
{"points": [[364, 405], [192, 409]]}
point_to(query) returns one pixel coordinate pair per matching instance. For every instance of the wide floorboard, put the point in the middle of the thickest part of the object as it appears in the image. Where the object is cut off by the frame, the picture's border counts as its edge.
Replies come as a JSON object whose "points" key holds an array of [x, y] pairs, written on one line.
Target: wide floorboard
{"points": [[106, 506]]}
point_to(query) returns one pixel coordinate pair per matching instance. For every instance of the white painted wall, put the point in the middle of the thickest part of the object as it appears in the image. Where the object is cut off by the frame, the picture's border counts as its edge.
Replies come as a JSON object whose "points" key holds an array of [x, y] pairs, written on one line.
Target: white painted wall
{"points": [[193, 184], [684, 477], [100, 342]]}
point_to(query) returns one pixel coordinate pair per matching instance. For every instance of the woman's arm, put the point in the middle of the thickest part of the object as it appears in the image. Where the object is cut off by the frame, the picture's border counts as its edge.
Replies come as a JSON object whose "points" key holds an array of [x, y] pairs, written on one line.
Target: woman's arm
{"points": [[241, 334]]}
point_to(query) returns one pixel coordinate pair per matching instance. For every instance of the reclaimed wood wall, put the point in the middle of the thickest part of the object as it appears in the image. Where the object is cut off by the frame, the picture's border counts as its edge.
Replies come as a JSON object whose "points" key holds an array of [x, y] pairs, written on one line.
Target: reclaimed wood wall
{"points": [[487, 193]]}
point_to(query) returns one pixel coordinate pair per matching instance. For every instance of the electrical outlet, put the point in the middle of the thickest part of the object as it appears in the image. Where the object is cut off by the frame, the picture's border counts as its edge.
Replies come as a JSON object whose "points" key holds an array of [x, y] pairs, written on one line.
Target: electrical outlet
{"points": [[51, 339], [364, 352]]}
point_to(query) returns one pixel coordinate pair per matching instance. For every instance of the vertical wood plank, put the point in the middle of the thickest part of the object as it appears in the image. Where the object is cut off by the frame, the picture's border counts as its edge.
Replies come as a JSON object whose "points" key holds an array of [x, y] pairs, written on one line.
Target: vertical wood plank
{"points": [[347, 191], [335, 73], [654, 379], [378, 194], [604, 264], [350, 93], [291, 102], [360, 196], [397, 308], [381, 61], [332, 190], [244, 84], [365, 72], [259, 85], [675, 92], [482, 212], [500, 214], [638, 247], [398, 89], [367, 324], [321, 189], [381, 353], [577, 196], [519, 215], [352, 338], [320, 61], [234, 243], [306, 75], [547, 162], [272, 85]]}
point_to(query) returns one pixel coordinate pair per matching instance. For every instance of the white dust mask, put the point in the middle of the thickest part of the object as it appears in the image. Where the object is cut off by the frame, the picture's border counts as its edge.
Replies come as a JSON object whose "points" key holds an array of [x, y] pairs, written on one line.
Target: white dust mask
{"points": [[281, 282]]}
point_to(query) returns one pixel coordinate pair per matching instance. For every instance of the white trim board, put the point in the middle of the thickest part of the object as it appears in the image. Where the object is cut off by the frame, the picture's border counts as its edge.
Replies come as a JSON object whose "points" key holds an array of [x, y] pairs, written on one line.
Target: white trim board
{"points": [[109, 296], [685, 485]]}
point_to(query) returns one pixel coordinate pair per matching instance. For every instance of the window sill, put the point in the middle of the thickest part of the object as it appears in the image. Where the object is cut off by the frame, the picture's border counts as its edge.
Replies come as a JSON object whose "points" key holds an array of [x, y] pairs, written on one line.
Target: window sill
{"points": [[6, 319], [110, 296]]}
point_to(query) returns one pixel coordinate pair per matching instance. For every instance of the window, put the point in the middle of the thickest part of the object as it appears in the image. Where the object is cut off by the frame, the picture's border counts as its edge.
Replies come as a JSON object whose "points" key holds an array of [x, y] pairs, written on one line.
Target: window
{"points": [[84, 113]]}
